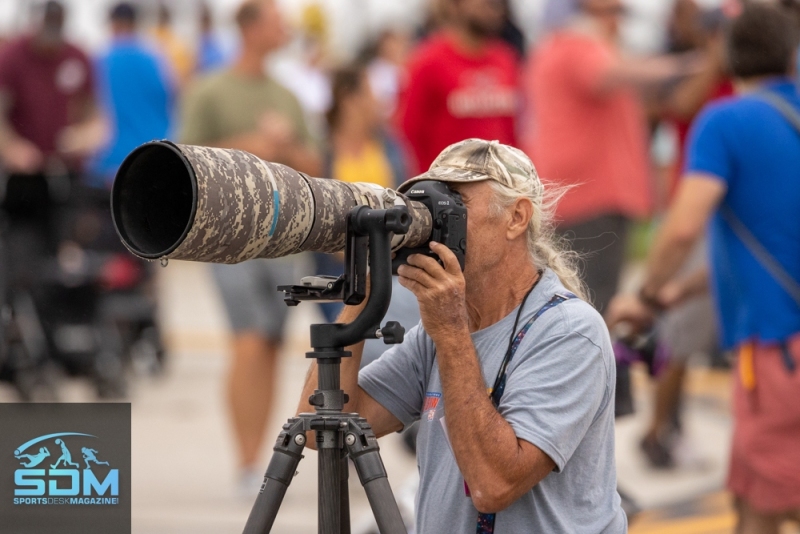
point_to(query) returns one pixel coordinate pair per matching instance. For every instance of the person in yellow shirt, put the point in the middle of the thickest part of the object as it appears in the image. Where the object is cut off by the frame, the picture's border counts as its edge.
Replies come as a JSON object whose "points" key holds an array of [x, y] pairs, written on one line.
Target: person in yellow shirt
{"points": [[365, 163], [360, 149], [175, 50]]}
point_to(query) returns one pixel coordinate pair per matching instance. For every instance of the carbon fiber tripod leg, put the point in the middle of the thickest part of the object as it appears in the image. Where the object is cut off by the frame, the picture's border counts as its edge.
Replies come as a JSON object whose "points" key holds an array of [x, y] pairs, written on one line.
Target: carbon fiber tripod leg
{"points": [[282, 467], [329, 510], [344, 491], [363, 448]]}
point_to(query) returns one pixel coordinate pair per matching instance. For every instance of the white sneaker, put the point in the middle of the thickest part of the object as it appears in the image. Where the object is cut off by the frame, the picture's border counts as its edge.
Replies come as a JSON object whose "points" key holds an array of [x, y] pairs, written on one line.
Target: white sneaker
{"points": [[248, 485]]}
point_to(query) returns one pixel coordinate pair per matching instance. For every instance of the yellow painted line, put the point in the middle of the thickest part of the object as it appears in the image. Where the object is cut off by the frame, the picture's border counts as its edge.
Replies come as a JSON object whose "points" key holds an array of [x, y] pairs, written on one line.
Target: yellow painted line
{"points": [[700, 525]]}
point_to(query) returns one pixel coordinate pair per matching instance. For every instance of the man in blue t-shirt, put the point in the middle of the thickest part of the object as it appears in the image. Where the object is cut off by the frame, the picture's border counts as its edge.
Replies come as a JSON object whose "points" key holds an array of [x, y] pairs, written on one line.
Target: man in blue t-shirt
{"points": [[742, 182], [137, 92]]}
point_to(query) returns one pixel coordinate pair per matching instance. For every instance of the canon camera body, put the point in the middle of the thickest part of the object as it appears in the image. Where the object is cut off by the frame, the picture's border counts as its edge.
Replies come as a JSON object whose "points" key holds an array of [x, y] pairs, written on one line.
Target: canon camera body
{"points": [[449, 221]]}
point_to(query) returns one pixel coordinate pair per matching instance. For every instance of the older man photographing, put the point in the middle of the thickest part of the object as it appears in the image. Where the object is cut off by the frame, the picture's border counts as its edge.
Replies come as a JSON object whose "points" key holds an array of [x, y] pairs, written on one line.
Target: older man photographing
{"points": [[535, 453]]}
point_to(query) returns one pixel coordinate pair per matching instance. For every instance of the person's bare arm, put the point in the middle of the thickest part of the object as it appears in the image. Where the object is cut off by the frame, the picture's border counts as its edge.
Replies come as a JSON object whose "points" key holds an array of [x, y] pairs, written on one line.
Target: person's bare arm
{"points": [[87, 135], [296, 155], [303, 158], [381, 420], [689, 96], [647, 72], [682, 289], [697, 197], [7, 133], [498, 467], [16, 153], [275, 139], [252, 141]]}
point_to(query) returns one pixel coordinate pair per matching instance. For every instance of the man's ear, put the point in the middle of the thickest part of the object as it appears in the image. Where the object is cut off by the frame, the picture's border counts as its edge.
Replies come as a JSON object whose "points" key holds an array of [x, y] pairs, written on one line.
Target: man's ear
{"points": [[521, 213]]}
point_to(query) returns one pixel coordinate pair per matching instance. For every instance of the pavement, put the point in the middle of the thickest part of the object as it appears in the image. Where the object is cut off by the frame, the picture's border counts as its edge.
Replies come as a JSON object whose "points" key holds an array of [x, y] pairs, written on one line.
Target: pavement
{"points": [[184, 474]]}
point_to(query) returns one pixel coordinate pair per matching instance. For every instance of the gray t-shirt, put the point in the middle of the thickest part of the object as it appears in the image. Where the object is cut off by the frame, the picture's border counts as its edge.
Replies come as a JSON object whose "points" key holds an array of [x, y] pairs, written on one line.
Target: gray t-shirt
{"points": [[559, 396]]}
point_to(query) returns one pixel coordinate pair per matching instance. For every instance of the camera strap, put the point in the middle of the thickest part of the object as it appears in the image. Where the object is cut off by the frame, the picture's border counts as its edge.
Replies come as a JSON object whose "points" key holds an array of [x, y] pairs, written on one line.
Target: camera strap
{"points": [[768, 261], [486, 521]]}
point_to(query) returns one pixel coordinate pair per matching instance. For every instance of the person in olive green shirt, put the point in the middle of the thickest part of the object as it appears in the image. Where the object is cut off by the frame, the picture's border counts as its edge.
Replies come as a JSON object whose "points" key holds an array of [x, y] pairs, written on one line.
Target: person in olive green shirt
{"points": [[243, 108]]}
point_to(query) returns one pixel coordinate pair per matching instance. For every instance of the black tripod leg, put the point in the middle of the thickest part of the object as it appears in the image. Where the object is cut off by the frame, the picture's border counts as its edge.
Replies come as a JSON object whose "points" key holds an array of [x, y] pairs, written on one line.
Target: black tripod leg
{"points": [[282, 467], [330, 472], [345, 493], [363, 448]]}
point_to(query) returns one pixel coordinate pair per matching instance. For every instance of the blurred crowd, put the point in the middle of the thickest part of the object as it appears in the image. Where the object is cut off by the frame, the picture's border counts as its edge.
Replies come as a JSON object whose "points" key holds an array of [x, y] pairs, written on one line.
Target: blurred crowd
{"points": [[608, 129]]}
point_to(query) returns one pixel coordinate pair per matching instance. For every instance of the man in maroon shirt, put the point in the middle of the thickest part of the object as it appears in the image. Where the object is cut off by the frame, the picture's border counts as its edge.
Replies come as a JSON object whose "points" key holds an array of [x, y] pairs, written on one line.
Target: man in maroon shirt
{"points": [[462, 82], [46, 101], [48, 124]]}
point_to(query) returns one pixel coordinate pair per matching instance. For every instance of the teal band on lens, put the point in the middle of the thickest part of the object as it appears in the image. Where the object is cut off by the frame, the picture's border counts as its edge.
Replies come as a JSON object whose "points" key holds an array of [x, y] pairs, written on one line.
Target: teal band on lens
{"points": [[276, 205]]}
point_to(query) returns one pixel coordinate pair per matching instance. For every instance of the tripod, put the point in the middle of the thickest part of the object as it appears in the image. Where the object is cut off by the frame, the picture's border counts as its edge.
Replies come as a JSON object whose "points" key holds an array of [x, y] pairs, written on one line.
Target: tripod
{"points": [[340, 435]]}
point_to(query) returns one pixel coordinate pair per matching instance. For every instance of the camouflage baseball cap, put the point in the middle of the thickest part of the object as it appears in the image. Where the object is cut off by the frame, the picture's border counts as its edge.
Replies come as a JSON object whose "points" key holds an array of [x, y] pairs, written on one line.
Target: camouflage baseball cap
{"points": [[475, 160]]}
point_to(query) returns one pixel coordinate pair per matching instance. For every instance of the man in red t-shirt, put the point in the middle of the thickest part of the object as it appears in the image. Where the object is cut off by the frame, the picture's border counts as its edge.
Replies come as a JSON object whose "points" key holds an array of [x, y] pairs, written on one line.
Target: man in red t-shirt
{"points": [[589, 135], [462, 83]]}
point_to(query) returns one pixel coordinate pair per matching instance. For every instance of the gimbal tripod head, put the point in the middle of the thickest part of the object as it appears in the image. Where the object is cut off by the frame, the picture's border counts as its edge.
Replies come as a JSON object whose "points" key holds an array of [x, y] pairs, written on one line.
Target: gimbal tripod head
{"points": [[368, 240]]}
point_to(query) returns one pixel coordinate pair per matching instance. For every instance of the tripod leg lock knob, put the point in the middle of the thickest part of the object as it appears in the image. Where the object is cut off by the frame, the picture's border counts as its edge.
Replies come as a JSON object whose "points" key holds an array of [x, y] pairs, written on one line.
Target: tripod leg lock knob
{"points": [[288, 452], [362, 445]]}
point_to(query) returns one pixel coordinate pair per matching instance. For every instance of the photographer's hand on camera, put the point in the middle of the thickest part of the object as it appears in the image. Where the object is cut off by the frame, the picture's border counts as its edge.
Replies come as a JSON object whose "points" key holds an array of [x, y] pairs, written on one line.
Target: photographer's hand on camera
{"points": [[440, 291]]}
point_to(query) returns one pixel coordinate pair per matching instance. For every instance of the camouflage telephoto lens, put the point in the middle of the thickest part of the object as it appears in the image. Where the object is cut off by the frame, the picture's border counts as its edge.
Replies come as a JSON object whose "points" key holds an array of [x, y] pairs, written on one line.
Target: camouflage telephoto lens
{"points": [[226, 206]]}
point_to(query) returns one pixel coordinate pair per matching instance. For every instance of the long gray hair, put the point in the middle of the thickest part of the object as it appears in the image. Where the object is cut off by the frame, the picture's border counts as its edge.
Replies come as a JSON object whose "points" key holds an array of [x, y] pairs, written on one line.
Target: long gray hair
{"points": [[545, 247]]}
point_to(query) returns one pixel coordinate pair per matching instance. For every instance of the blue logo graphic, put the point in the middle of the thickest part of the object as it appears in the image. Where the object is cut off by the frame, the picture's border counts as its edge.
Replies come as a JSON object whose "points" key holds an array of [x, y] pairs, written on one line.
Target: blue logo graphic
{"points": [[89, 456], [66, 457], [33, 459], [60, 484]]}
